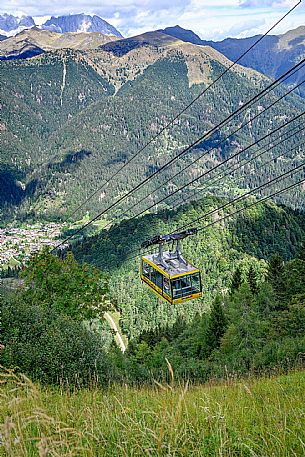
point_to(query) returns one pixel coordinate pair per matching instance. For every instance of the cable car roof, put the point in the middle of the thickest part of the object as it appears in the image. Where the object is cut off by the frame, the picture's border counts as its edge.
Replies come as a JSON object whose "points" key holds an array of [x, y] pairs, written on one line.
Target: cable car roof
{"points": [[170, 265], [161, 239]]}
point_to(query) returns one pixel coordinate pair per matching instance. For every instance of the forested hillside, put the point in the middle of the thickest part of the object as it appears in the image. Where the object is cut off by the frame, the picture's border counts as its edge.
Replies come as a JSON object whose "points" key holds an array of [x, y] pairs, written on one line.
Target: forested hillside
{"points": [[70, 119], [272, 56], [249, 239], [250, 318]]}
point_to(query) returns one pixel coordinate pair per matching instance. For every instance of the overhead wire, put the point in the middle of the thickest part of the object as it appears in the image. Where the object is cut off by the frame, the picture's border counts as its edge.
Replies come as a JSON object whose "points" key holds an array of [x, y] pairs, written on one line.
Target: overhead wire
{"points": [[247, 194], [205, 135], [172, 121], [236, 166], [224, 139], [205, 153], [205, 173], [232, 202], [253, 204]]}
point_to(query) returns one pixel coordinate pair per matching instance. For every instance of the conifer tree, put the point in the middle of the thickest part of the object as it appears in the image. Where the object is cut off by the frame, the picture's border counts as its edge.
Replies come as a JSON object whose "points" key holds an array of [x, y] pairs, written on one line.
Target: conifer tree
{"points": [[301, 252], [252, 280], [216, 326], [236, 280], [276, 275]]}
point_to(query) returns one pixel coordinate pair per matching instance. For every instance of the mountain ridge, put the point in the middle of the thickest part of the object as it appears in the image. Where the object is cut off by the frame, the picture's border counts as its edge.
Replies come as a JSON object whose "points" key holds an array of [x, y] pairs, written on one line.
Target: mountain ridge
{"points": [[100, 107], [12, 25], [35, 41], [80, 23], [271, 57]]}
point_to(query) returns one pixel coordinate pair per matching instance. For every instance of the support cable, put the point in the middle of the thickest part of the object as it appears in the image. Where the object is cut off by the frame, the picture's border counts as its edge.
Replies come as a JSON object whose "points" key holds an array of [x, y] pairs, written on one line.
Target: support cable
{"points": [[172, 121]]}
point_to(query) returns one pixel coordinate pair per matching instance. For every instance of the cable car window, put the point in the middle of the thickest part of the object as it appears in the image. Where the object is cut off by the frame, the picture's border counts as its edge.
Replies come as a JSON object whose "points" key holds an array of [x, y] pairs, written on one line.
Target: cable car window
{"points": [[156, 278], [186, 285], [146, 269], [176, 284], [166, 286], [196, 283], [177, 288]]}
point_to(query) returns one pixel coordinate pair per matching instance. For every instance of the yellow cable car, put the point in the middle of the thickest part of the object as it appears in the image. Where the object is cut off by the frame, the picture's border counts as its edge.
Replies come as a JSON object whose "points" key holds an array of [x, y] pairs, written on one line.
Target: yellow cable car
{"points": [[167, 274]]}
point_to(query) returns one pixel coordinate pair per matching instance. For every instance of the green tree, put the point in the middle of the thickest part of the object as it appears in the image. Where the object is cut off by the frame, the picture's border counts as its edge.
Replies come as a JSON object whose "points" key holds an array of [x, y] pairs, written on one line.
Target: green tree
{"points": [[236, 280], [216, 327], [301, 252], [79, 291], [252, 280], [49, 346], [276, 276], [291, 321]]}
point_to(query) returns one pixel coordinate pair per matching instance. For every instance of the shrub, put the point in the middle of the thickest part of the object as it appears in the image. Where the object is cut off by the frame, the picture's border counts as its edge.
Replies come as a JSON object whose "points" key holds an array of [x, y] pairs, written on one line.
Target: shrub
{"points": [[50, 347]]}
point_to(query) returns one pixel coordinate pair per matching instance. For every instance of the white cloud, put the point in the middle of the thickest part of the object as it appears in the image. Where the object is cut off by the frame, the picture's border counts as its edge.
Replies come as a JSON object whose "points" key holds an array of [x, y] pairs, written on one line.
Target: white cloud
{"points": [[267, 3], [210, 19], [107, 7], [39, 20]]}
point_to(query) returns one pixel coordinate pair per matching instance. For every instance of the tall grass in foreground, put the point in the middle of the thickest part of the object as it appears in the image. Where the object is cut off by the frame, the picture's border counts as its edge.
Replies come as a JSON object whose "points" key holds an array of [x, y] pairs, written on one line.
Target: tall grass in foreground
{"points": [[262, 418]]}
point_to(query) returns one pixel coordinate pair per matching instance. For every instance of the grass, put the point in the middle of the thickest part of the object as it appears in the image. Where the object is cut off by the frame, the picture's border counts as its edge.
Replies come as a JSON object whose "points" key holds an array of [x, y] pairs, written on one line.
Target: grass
{"points": [[262, 418]]}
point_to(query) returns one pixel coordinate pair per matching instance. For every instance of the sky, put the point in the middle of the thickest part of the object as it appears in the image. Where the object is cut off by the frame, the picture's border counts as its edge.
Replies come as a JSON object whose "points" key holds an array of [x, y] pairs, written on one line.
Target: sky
{"points": [[210, 19]]}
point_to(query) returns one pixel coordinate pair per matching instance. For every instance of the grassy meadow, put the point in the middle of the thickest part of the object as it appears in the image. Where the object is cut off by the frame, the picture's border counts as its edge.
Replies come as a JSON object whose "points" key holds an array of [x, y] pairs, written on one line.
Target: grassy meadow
{"points": [[253, 417]]}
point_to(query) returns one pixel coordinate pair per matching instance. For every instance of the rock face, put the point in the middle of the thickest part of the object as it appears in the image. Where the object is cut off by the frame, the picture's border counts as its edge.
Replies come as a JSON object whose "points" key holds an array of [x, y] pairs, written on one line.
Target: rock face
{"points": [[80, 23], [10, 25]]}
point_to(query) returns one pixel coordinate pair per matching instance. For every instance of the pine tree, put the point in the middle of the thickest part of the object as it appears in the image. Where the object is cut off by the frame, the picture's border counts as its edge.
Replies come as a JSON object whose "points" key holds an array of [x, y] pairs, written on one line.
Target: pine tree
{"points": [[276, 275], [236, 280], [216, 326], [275, 269], [301, 252], [252, 280]]}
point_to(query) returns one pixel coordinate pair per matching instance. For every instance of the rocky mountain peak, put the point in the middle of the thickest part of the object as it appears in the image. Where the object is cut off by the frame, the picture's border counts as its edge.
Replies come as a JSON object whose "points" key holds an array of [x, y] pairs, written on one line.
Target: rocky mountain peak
{"points": [[80, 23], [10, 25]]}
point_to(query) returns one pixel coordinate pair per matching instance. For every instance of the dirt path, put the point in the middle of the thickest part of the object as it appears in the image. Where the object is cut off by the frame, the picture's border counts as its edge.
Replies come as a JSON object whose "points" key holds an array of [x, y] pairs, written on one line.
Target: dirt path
{"points": [[113, 325]]}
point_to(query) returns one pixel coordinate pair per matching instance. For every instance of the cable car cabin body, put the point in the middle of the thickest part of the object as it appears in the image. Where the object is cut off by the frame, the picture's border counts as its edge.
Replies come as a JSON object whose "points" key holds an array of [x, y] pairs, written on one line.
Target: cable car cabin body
{"points": [[169, 276]]}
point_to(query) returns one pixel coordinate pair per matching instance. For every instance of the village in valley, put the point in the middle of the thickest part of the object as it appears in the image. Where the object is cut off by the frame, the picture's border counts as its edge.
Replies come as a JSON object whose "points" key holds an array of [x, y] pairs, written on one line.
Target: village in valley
{"points": [[18, 244]]}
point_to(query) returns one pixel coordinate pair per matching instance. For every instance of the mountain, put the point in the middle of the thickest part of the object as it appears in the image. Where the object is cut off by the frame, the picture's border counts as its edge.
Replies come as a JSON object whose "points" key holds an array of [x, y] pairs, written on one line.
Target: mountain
{"points": [[80, 23], [10, 25], [147, 40], [70, 119], [34, 41], [2, 37], [274, 55], [182, 34]]}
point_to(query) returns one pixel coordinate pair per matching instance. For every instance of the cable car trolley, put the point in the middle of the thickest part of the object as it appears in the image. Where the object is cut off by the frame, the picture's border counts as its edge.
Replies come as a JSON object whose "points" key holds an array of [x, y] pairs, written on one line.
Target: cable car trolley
{"points": [[167, 274]]}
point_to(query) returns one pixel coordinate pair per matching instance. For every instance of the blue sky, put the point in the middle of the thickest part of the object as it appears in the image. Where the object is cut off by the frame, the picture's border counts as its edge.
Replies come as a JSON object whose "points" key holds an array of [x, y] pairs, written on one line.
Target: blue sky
{"points": [[211, 19]]}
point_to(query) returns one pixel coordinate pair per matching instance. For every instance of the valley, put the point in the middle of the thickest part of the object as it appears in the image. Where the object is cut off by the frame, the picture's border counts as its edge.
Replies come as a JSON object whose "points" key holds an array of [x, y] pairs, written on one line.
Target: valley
{"points": [[17, 245], [152, 235], [71, 119]]}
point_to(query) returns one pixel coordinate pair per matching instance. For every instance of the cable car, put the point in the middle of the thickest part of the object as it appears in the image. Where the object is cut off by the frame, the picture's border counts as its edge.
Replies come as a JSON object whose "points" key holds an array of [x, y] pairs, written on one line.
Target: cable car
{"points": [[167, 274]]}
